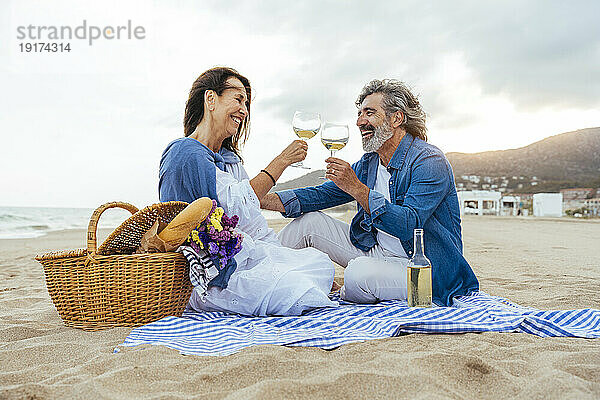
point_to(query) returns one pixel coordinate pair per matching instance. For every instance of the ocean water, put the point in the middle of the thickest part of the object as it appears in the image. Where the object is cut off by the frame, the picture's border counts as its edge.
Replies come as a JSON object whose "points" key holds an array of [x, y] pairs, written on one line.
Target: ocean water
{"points": [[30, 222]]}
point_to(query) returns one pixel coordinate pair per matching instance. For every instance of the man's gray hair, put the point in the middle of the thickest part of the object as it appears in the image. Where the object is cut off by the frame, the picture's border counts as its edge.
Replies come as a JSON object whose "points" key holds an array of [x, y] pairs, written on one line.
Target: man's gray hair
{"points": [[398, 97]]}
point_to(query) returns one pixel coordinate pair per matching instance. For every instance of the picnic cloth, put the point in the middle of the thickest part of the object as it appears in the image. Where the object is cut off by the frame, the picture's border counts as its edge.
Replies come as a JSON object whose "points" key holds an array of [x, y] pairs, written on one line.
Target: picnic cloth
{"points": [[203, 272], [219, 334]]}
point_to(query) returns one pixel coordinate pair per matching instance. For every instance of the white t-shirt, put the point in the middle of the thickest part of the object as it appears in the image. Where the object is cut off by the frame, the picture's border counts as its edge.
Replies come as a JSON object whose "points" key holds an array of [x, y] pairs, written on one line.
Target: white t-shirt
{"points": [[384, 239]]}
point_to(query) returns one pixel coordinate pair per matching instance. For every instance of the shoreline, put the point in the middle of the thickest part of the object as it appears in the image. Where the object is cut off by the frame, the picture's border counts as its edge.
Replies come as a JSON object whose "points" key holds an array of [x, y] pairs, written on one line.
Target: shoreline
{"points": [[344, 216]]}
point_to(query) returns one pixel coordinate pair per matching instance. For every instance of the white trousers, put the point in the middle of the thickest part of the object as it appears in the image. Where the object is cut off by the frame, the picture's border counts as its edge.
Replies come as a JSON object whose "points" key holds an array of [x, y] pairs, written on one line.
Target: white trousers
{"points": [[370, 276]]}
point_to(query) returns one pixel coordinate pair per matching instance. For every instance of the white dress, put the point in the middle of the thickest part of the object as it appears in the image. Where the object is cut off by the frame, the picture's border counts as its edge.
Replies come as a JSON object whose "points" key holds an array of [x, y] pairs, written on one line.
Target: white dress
{"points": [[269, 279]]}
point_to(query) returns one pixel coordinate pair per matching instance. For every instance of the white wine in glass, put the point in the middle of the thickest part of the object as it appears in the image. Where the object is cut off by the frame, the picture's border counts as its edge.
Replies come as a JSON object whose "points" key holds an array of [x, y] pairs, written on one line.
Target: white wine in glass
{"points": [[334, 145], [306, 125], [305, 134], [334, 137]]}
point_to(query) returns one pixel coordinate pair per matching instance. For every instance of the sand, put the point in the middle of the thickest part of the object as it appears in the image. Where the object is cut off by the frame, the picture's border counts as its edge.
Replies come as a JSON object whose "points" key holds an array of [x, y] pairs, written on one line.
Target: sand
{"points": [[547, 264]]}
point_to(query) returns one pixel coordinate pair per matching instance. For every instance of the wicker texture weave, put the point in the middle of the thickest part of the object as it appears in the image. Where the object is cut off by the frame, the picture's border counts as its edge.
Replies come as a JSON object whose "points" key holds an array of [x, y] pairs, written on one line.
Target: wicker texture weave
{"points": [[126, 238], [94, 291]]}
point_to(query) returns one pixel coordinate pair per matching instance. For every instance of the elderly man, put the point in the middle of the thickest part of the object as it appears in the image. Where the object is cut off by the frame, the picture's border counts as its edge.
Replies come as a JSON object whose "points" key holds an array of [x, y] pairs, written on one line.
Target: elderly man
{"points": [[401, 183]]}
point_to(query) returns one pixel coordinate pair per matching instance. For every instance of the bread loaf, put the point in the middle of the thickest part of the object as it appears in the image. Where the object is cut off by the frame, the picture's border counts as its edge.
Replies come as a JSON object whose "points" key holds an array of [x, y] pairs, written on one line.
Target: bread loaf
{"points": [[180, 227]]}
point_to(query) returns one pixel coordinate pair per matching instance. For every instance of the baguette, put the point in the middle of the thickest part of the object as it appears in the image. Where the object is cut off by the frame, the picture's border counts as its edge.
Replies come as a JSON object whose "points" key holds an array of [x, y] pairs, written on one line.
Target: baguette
{"points": [[180, 227]]}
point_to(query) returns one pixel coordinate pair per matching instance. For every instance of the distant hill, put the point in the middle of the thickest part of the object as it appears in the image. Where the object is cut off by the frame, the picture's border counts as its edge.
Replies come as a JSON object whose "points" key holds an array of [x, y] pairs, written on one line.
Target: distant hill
{"points": [[310, 179], [568, 156], [566, 160], [313, 178]]}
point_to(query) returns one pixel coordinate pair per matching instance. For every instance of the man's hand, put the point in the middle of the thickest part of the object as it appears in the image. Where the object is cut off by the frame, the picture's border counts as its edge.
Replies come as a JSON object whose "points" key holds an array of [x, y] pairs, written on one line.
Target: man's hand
{"points": [[342, 174]]}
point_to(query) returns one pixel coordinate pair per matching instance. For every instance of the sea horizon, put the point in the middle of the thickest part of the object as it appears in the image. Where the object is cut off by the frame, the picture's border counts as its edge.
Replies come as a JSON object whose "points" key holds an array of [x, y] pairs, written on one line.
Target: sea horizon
{"points": [[30, 222]]}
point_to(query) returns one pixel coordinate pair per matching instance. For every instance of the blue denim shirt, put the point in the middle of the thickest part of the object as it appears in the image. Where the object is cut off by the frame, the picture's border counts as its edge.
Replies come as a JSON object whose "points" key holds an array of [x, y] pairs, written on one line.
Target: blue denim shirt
{"points": [[423, 195]]}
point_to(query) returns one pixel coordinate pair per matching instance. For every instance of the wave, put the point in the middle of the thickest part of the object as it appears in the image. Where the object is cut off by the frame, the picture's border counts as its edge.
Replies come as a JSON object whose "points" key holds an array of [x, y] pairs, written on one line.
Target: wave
{"points": [[13, 218], [25, 222]]}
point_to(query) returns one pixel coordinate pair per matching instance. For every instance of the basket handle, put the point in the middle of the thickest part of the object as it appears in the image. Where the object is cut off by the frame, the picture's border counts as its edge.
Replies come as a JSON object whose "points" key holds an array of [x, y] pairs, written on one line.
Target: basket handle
{"points": [[93, 225]]}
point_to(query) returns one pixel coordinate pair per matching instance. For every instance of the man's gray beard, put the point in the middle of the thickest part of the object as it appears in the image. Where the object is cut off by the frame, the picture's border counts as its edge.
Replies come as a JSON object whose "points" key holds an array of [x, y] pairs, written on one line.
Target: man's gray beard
{"points": [[380, 135]]}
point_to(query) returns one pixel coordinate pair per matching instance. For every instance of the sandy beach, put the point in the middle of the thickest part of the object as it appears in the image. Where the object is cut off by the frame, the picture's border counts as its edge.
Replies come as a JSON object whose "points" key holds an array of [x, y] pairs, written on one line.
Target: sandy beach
{"points": [[542, 263]]}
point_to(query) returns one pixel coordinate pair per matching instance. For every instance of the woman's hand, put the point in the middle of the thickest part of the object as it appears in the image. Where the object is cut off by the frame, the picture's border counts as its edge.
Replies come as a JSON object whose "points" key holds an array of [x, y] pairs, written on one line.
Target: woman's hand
{"points": [[295, 152], [262, 183]]}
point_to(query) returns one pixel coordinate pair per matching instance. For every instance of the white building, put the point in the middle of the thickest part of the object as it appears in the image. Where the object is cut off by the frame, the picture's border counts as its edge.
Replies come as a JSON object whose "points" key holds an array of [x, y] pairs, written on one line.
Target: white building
{"points": [[479, 202], [592, 207], [471, 178], [509, 205], [547, 204]]}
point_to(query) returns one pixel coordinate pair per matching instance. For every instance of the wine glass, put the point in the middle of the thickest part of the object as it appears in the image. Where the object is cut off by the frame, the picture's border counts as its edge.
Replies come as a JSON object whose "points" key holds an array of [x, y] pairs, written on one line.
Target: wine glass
{"points": [[306, 125], [334, 137]]}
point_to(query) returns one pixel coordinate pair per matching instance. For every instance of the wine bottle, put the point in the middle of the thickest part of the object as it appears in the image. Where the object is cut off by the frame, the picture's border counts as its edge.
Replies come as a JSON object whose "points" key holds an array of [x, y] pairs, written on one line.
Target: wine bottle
{"points": [[419, 274]]}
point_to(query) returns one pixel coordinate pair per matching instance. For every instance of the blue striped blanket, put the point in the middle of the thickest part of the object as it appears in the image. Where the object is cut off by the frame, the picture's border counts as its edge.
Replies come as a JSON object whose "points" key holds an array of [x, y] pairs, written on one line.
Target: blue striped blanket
{"points": [[218, 334]]}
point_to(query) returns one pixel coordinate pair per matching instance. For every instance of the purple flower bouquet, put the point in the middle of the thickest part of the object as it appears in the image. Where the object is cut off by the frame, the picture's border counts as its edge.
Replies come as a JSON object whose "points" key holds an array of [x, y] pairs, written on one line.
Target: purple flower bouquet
{"points": [[217, 237]]}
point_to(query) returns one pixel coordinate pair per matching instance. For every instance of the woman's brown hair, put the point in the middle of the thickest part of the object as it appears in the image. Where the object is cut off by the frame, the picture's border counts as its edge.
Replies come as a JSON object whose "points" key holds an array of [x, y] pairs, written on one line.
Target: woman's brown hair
{"points": [[216, 79]]}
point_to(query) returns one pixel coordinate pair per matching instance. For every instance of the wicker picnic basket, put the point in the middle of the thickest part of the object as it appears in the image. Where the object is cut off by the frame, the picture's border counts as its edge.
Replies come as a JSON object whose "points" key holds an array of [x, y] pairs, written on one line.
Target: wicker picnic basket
{"points": [[99, 288]]}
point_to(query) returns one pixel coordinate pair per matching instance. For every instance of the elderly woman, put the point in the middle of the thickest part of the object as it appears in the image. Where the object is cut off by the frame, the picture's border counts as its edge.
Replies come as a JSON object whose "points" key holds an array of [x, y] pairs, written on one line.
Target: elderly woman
{"points": [[269, 279]]}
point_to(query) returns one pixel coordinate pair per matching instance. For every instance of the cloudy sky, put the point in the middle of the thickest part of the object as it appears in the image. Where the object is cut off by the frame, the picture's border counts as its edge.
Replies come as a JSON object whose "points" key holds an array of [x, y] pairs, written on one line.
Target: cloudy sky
{"points": [[82, 128]]}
